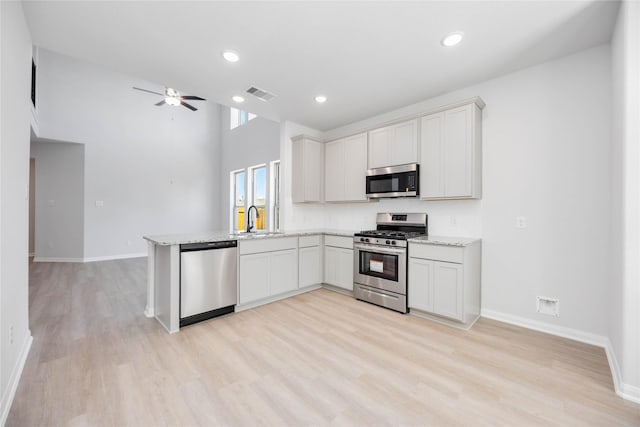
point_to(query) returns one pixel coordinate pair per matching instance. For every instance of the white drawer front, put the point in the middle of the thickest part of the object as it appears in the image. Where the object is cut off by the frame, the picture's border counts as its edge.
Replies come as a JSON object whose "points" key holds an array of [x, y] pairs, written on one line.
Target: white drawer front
{"points": [[267, 244], [338, 241], [437, 252], [308, 241]]}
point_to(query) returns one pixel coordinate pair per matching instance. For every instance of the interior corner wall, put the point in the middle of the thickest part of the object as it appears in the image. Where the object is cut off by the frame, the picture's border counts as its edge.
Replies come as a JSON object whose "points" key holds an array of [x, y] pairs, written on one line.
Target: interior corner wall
{"points": [[256, 142], [624, 305], [59, 201], [148, 170], [15, 116]]}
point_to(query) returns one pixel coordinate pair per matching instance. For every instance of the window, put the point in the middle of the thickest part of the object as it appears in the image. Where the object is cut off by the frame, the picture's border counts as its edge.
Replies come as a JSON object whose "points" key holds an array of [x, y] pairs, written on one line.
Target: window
{"points": [[239, 117], [238, 192], [259, 196], [275, 190], [257, 183]]}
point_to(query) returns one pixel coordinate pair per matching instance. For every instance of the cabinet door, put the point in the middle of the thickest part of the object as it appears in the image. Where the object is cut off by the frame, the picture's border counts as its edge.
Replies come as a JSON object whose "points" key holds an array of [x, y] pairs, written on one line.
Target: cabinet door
{"points": [[458, 151], [310, 266], [254, 277], [431, 156], [404, 144], [297, 171], [344, 275], [379, 144], [313, 159], [355, 168], [334, 172], [421, 284], [330, 265], [448, 290], [283, 271]]}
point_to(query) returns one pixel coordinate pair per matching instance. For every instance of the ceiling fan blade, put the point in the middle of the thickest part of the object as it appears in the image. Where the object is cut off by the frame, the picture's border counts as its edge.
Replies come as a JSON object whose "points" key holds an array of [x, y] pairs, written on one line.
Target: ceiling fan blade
{"points": [[160, 103], [195, 98], [190, 107], [150, 91]]}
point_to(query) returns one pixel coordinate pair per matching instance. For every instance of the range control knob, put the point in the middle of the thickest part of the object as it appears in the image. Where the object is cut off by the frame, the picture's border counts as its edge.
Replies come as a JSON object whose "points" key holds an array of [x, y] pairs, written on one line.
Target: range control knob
{"points": [[366, 240], [393, 242], [362, 239], [388, 242]]}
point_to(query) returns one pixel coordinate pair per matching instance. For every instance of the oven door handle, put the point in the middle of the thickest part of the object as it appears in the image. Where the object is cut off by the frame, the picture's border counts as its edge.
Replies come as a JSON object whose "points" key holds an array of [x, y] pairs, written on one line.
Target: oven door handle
{"points": [[379, 249]]}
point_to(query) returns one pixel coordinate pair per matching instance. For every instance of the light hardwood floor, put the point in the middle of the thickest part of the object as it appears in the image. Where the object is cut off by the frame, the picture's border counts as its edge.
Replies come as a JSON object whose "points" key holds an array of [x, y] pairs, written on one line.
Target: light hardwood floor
{"points": [[316, 359]]}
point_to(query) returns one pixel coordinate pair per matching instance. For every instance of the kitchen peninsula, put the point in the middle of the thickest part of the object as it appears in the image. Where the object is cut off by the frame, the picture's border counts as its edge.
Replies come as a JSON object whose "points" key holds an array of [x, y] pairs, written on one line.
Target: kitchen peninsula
{"points": [[278, 265]]}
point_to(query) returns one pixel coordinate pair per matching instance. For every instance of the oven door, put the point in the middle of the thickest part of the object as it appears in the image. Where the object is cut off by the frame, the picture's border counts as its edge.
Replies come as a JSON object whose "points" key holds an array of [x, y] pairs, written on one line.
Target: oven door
{"points": [[380, 267]]}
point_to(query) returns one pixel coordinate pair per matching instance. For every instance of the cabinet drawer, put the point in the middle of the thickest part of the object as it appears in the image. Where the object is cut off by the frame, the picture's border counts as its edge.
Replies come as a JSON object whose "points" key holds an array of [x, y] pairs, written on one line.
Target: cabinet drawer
{"points": [[437, 252], [267, 244], [308, 241], [338, 241]]}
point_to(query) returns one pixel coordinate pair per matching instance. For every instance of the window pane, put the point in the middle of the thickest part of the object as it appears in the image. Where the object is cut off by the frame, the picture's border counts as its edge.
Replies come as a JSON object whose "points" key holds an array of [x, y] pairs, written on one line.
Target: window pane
{"points": [[233, 118], [240, 187], [260, 196], [260, 186]]}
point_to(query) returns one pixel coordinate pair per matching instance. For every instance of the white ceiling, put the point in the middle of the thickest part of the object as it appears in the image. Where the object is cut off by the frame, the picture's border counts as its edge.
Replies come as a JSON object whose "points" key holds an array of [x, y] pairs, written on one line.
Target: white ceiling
{"points": [[366, 57]]}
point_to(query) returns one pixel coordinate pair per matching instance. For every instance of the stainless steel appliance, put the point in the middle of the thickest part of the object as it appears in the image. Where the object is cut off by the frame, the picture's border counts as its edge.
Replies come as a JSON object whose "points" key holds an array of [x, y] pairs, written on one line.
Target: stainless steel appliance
{"points": [[208, 280], [380, 259], [394, 181]]}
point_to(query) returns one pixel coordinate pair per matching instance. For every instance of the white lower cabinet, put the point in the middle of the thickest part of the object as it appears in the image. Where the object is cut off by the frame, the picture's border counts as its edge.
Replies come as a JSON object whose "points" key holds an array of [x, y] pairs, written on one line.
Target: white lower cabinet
{"points": [[267, 268], [445, 281], [310, 263], [338, 262]]}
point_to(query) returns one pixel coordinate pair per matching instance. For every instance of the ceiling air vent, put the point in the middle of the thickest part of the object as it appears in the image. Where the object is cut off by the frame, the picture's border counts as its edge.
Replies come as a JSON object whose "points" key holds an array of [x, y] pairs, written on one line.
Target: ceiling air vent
{"points": [[262, 95]]}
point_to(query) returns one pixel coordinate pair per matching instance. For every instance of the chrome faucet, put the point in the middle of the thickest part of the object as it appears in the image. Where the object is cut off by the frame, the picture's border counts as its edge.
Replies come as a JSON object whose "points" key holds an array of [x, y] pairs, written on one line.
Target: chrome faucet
{"points": [[249, 222]]}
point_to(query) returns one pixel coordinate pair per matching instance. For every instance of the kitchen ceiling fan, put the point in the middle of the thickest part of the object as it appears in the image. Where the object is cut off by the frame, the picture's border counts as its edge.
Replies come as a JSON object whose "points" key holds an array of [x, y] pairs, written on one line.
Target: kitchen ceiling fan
{"points": [[173, 97]]}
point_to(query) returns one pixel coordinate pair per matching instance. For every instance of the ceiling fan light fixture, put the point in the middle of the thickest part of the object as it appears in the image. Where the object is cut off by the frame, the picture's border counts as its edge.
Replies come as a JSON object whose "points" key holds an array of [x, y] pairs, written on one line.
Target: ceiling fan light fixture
{"points": [[237, 98], [321, 99], [452, 39], [230, 55], [172, 100]]}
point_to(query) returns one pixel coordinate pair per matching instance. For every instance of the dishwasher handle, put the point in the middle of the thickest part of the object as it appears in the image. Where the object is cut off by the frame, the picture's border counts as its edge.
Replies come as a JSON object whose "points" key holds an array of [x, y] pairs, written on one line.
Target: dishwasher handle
{"points": [[189, 247]]}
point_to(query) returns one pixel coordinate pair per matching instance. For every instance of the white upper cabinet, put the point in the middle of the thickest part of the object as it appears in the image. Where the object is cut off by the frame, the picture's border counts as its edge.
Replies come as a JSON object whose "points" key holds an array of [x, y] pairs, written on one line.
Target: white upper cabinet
{"points": [[394, 145], [345, 169], [307, 169], [451, 154]]}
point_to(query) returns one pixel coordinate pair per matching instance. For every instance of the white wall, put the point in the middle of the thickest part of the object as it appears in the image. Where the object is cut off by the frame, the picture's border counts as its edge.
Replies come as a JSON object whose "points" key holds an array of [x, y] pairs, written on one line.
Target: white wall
{"points": [[155, 168], [15, 116], [59, 200], [546, 146], [624, 307], [254, 143]]}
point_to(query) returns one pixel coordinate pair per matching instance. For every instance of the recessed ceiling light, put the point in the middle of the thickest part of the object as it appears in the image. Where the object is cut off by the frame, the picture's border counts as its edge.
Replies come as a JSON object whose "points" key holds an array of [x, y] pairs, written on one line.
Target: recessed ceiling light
{"points": [[452, 39], [231, 55], [237, 98], [320, 99]]}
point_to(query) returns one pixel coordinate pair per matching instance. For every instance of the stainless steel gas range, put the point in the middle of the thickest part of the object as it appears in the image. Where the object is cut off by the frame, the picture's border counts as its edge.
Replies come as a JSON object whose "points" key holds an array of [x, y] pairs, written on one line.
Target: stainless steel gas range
{"points": [[380, 259]]}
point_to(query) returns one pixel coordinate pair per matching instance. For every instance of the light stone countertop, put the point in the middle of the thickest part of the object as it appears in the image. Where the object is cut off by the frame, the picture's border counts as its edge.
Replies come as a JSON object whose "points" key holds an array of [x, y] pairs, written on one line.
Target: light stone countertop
{"points": [[219, 236], [444, 240]]}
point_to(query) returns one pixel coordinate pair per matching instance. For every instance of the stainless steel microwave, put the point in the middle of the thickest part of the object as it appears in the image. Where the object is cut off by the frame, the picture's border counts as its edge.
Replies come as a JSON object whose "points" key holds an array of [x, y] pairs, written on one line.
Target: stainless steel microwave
{"points": [[393, 181]]}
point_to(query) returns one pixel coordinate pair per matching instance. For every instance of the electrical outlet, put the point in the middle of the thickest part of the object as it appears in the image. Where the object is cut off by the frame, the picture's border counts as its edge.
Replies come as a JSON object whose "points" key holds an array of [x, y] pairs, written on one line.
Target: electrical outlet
{"points": [[128, 242], [99, 203], [51, 203], [521, 222], [11, 334], [452, 220], [549, 306]]}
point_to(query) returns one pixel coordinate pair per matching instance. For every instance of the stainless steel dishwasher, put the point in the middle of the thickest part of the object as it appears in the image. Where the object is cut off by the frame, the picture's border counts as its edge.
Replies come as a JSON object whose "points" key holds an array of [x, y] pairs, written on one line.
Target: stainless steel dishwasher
{"points": [[208, 280]]}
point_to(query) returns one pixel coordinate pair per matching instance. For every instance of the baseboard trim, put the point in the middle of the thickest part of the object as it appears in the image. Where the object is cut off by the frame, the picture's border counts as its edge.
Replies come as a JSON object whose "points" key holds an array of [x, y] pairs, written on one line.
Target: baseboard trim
{"points": [[626, 391], [269, 300], [114, 257], [91, 259], [12, 386], [50, 259]]}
